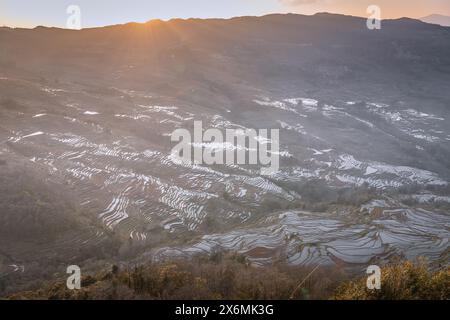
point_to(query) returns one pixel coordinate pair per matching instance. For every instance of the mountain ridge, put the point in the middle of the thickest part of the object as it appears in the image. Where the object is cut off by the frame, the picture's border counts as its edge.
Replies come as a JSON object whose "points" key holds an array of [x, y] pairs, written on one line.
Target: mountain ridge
{"points": [[437, 19], [261, 17]]}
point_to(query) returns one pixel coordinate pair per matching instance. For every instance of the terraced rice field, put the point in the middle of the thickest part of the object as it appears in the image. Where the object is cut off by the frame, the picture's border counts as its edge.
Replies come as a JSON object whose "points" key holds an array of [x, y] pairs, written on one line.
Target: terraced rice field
{"points": [[114, 150]]}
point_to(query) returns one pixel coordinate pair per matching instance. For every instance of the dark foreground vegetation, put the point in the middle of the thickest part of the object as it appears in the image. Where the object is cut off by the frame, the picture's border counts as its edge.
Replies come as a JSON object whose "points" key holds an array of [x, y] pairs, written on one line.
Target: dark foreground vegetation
{"points": [[401, 281], [231, 277]]}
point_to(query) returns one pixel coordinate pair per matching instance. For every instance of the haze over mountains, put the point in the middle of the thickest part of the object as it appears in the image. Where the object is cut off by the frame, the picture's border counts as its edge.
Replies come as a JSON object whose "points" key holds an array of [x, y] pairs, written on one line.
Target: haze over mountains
{"points": [[85, 154], [437, 19]]}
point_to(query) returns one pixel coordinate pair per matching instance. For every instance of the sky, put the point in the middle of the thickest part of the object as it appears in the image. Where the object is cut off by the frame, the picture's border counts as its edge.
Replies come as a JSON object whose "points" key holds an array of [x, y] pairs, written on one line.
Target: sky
{"points": [[31, 13]]}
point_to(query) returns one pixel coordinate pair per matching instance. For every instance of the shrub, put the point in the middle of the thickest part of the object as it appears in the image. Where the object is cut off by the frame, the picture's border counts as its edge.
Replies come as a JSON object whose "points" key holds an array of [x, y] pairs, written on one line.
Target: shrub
{"points": [[401, 281]]}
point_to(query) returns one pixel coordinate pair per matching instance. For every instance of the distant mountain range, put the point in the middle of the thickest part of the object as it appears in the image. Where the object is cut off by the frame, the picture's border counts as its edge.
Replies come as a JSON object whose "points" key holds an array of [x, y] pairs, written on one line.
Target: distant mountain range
{"points": [[437, 19]]}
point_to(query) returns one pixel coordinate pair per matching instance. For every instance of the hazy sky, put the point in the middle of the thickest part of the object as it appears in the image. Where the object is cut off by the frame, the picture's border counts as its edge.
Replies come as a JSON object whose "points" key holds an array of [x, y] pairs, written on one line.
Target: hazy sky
{"points": [[29, 13]]}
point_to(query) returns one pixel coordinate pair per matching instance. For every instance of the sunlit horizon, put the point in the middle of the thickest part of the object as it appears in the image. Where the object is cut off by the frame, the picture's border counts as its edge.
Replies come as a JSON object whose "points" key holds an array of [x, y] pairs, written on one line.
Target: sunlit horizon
{"points": [[51, 13]]}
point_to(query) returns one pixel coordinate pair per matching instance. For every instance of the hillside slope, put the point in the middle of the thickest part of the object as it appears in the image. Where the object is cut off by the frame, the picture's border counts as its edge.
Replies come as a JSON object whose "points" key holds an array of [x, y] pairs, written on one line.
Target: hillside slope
{"points": [[364, 125]]}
